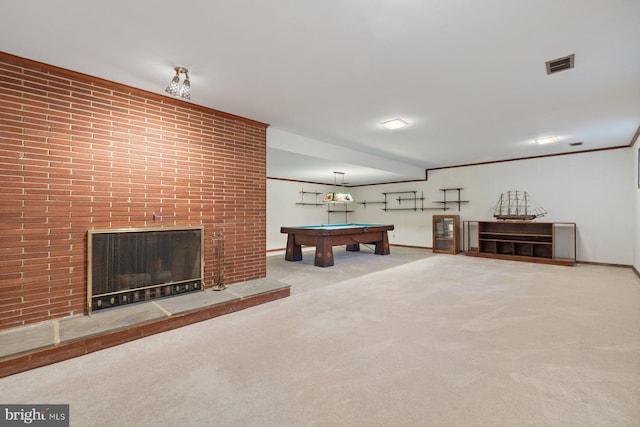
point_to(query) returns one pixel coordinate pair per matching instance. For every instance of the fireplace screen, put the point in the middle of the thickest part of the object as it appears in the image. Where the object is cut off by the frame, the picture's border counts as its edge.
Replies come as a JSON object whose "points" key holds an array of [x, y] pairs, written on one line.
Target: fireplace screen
{"points": [[131, 265]]}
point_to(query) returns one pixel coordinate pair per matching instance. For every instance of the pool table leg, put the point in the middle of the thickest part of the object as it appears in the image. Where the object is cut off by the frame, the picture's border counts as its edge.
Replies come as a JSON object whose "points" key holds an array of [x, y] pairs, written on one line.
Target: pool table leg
{"points": [[294, 252], [382, 246], [324, 253], [353, 247]]}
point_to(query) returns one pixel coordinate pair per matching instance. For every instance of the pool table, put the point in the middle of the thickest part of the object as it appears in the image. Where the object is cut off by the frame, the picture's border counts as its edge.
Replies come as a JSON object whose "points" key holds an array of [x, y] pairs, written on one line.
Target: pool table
{"points": [[325, 237]]}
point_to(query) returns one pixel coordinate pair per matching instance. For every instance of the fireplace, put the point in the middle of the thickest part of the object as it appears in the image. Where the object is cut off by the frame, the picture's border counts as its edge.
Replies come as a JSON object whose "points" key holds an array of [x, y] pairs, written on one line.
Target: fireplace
{"points": [[132, 265]]}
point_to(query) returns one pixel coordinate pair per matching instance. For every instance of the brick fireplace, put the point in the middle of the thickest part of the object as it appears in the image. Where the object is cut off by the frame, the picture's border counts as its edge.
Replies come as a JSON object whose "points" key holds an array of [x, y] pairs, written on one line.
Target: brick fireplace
{"points": [[78, 153]]}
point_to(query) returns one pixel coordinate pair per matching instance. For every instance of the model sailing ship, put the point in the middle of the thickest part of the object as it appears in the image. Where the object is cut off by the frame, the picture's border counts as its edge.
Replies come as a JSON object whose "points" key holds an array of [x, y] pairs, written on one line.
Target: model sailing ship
{"points": [[517, 206]]}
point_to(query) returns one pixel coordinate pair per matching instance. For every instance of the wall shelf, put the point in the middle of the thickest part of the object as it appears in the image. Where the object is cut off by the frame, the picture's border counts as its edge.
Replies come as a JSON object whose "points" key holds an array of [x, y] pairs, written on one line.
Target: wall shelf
{"points": [[444, 202], [415, 199], [365, 203], [400, 199], [329, 205], [330, 211], [314, 203]]}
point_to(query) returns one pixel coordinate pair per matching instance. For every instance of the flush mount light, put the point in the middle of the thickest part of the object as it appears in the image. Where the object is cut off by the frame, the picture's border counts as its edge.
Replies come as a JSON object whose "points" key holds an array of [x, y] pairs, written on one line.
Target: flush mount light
{"points": [[175, 89], [394, 124], [547, 140]]}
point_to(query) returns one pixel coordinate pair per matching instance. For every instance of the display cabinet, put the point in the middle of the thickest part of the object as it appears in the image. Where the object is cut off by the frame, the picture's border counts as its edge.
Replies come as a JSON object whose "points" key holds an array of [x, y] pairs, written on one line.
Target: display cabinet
{"points": [[445, 234]]}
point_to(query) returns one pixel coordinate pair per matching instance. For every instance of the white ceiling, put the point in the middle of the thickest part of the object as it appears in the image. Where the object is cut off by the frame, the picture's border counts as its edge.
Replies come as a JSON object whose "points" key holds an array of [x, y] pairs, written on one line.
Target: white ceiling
{"points": [[469, 76]]}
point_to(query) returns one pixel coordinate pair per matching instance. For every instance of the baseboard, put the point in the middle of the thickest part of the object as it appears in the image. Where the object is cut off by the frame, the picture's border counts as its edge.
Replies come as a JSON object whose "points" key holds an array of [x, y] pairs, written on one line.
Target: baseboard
{"points": [[410, 246], [604, 264], [390, 244]]}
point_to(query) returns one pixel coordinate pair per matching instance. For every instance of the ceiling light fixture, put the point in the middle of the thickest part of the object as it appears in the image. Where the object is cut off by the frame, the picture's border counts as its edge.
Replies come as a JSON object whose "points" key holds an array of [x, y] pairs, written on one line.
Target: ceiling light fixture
{"points": [[547, 140], [338, 196], [394, 124], [175, 89]]}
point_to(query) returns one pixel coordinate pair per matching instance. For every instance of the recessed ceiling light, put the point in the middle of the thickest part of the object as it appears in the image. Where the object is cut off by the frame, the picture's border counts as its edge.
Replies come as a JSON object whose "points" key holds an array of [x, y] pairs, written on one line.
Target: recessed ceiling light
{"points": [[547, 140], [394, 124]]}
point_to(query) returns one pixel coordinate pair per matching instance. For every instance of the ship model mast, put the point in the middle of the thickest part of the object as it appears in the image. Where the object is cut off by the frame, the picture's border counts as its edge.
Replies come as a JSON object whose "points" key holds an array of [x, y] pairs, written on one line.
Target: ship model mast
{"points": [[517, 206]]}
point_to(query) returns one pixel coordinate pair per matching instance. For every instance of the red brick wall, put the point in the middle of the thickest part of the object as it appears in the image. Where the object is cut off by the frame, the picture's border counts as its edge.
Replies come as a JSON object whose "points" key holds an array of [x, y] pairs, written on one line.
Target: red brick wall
{"points": [[80, 153]]}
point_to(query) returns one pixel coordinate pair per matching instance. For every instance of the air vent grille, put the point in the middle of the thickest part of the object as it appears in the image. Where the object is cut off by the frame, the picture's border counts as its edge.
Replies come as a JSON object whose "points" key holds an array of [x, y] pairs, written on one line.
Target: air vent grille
{"points": [[560, 64]]}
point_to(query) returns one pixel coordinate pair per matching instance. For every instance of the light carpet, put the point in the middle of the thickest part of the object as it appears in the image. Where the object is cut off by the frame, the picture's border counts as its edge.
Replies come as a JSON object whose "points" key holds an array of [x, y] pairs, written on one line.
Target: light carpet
{"points": [[409, 339]]}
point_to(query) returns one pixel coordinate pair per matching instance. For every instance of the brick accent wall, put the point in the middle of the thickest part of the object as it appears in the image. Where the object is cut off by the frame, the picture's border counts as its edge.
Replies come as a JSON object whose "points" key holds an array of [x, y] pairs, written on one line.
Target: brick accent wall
{"points": [[80, 153]]}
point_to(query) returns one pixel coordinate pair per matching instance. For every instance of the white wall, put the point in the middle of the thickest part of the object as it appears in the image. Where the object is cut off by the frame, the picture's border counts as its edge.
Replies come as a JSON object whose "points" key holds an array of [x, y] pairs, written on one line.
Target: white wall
{"points": [[590, 189], [635, 161], [282, 210]]}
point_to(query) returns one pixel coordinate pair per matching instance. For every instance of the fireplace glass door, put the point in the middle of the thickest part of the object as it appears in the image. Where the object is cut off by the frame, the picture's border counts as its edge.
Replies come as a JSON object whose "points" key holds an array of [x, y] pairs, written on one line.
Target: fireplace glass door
{"points": [[132, 265]]}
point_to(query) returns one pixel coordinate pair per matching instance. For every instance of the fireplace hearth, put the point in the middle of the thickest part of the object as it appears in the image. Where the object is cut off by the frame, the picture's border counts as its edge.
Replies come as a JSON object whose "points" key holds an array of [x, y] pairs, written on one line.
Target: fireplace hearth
{"points": [[133, 265]]}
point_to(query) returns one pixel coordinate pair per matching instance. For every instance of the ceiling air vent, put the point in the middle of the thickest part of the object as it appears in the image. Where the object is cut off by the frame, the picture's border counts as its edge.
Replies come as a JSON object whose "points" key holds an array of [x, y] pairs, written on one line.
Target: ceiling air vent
{"points": [[560, 64]]}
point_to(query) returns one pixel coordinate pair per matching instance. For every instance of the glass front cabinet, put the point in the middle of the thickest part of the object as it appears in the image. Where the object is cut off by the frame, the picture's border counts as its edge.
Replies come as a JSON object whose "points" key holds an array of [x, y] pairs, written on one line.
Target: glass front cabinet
{"points": [[445, 234]]}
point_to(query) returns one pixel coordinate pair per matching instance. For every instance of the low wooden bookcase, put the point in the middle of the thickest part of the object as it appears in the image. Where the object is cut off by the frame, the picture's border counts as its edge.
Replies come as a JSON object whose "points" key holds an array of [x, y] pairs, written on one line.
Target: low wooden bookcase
{"points": [[542, 242]]}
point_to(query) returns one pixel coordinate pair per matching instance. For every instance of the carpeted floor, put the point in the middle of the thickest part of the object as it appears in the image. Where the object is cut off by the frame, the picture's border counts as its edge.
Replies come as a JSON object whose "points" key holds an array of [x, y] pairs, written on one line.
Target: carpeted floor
{"points": [[410, 339]]}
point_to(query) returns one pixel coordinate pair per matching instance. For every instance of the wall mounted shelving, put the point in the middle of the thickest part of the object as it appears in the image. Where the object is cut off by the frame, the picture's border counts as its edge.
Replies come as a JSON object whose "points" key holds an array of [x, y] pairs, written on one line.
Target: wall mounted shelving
{"points": [[415, 199], [315, 200], [303, 202], [444, 200], [365, 203], [408, 200], [401, 199], [330, 211]]}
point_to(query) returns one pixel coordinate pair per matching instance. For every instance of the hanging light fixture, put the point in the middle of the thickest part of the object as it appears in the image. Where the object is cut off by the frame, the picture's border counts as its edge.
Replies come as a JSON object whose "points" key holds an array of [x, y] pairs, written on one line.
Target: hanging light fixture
{"points": [[175, 89], [338, 196]]}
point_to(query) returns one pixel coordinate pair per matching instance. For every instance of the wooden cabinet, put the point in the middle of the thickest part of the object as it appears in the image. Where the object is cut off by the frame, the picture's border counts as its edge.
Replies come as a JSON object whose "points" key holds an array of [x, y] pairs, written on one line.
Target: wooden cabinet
{"points": [[445, 234], [544, 242]]}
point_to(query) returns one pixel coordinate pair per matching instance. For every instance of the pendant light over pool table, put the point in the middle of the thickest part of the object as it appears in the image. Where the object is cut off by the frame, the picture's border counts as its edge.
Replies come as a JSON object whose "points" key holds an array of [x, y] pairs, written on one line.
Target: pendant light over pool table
{"points": [[338, 196]]}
